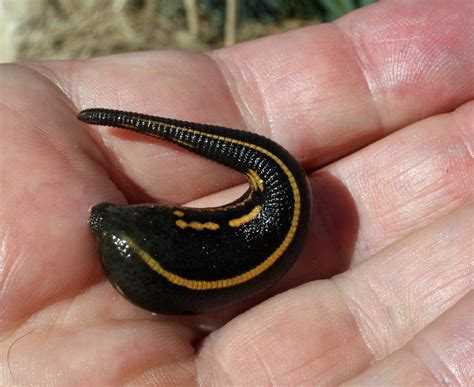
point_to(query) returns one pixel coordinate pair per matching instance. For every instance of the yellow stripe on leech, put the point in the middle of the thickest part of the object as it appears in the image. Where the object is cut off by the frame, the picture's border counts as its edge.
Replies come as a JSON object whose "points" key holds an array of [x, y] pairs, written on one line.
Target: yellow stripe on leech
{"points": [[246, 218], [199, 284], [255, 180], [260, 268], [197, 225], [252, 182]]}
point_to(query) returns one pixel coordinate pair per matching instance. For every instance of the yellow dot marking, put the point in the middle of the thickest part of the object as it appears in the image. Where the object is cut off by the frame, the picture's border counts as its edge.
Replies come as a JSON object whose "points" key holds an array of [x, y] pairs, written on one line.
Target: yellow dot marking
{"points": [[260, 268], [181, 224], [197, 225], [246, 218], [178, 213]]}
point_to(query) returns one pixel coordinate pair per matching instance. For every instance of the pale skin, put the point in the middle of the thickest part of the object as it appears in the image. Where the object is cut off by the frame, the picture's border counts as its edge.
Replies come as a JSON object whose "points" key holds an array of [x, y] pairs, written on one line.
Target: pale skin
{"points": [[378, 109]]}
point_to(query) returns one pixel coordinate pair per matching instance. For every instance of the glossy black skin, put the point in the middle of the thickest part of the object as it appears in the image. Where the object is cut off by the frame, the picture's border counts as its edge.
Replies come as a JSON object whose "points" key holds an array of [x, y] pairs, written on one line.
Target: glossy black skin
{"points": [[201, 254]]}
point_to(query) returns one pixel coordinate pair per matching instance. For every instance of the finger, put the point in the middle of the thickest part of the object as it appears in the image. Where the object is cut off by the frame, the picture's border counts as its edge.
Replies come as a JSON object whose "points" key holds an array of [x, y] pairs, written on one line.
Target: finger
{"points": [[441, 354], [305, 334], [424, 274], [327, 90], [409, 179], [369, 200], [322, 92]]}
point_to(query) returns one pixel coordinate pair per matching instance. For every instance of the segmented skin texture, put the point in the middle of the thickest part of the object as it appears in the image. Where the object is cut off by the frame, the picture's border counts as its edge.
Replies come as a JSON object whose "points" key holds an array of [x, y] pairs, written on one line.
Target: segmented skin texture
{"points": [[180, 260]]}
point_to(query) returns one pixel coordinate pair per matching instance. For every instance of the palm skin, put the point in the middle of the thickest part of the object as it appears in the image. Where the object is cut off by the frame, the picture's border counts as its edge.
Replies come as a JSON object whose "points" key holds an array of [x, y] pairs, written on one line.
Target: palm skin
{"points": [[381, 99]]}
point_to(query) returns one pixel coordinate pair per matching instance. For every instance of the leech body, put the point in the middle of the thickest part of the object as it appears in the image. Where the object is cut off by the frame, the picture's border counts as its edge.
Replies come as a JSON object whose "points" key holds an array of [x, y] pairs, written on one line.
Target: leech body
{"points": [[181, 260]]}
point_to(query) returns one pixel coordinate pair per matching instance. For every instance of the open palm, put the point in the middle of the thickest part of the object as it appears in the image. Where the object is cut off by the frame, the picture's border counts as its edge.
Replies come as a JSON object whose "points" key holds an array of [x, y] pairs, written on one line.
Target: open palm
{"points": [[381, 99]]}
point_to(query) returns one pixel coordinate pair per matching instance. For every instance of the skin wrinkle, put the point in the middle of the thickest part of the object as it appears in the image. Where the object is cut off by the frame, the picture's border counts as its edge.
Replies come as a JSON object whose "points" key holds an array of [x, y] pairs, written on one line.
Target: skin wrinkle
{"points": [[44, 309], [370, 89], [464, 341], [295, 369], [50, 77], [200, 366], [420, 349], [439, 184], [352, 305], [63, 317], [459, 196], [450, 300], [10, 278], [149, 366], [246, 114], [11, 273], [389, 333], [433, 294], [432, 39], [160, 375], [179, 360], [6, 270], [4, 250], [415, 197], [321, 373], [463, 129], [265, 366], [116, 317], [414, 290], [269, 119]]}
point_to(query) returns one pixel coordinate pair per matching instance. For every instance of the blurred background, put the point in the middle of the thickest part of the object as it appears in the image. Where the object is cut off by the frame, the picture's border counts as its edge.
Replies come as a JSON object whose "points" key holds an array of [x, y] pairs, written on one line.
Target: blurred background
{"points": [[67, 29]]}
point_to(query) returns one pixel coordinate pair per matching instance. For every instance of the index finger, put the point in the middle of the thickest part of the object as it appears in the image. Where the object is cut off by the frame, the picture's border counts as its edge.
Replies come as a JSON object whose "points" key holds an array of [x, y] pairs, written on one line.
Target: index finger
{"points": [[322, 91]]}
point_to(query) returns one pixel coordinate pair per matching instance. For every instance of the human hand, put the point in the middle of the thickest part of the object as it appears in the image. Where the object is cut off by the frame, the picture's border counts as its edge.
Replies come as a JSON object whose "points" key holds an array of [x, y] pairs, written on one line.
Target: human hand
{"points": [[393, 217]]}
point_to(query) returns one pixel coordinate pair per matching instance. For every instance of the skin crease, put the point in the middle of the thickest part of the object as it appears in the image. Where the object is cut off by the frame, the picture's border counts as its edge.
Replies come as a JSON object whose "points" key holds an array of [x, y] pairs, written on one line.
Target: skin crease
{"points": [[382, 99]]}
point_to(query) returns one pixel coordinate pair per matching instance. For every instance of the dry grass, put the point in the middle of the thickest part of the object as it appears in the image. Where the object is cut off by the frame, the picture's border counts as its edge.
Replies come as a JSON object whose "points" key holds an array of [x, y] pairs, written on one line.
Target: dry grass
{"points": [[65, 29]]}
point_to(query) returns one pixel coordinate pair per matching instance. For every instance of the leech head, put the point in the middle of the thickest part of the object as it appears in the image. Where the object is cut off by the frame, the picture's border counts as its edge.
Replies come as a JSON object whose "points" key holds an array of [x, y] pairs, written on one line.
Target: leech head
{"points": [[97, 217]]}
